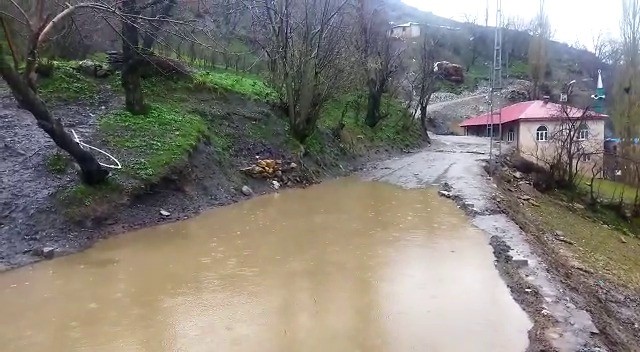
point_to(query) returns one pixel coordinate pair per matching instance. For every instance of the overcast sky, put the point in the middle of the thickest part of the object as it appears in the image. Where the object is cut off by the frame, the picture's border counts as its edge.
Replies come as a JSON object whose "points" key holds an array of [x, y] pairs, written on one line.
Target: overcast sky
{"points": [[571, 20]]}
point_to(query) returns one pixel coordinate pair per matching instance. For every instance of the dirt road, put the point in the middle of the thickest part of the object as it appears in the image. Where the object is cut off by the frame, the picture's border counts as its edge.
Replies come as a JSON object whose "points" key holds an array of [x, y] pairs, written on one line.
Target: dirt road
{"points": [[456, 164]]}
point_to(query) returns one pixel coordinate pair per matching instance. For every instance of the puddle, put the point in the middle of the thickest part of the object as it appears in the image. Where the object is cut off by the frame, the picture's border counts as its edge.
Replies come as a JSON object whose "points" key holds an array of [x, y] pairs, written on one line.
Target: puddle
{"points": [[343, 266]]}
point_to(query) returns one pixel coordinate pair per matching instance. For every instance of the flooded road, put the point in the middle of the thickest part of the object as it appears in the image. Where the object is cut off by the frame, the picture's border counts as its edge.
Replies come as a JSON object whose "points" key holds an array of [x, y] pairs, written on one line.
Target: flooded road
{"points": [[343, 266]]}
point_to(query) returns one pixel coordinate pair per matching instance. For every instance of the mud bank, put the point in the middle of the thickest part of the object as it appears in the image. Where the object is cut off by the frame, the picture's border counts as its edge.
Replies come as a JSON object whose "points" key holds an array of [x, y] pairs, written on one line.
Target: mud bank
{"points": [[34, 221], [456, 165]]}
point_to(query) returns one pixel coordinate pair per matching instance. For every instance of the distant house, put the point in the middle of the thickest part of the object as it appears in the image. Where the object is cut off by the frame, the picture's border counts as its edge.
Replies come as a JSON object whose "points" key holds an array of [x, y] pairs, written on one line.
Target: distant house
{"points": [[405, 30], [530, 126]]}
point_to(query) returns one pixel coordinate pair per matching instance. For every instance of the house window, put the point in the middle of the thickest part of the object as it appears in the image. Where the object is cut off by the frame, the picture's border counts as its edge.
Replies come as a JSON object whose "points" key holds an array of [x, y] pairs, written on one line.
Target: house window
{"points": [[542, 134], [511, 135], [583, 132], [586, 157]]}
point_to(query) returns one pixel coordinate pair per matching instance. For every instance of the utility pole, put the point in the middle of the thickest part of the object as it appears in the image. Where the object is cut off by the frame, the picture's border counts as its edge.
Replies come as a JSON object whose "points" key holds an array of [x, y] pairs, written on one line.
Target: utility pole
{"points": [[496, 82]]}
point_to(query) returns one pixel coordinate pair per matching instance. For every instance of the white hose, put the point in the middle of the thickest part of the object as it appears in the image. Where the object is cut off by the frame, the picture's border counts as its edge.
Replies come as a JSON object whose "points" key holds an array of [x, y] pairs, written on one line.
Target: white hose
{"points": [[83, 145]]}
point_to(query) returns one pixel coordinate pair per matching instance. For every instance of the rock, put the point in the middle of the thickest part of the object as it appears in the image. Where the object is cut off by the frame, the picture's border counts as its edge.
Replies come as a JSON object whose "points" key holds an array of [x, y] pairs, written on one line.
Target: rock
{"points": [[623, 240], [275, 184], [524, 197], [102, 73], [518, 175], [45, 252], [565, 240], [534, 203], [48, 252], [578, 206], [559, 233], [87, 67], [247, 191], [445, 194], [164, 213], [520, 263], [293, 165]]}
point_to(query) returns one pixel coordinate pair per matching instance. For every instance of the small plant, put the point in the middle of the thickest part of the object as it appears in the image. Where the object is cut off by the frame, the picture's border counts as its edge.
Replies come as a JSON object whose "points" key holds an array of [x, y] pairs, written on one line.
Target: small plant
{"points": [[251, 87], [58, 163], [67, 84], [156, 141]]}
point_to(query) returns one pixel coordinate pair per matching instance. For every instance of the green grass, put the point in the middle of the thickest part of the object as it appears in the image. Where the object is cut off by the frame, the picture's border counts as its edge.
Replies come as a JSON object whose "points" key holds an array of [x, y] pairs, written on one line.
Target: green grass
{"points": [[154, 142], [57, 163], [597, 246], [250, 87], [397, 129], [607, 190], [519, 69], [66, 84], [82, 195]]}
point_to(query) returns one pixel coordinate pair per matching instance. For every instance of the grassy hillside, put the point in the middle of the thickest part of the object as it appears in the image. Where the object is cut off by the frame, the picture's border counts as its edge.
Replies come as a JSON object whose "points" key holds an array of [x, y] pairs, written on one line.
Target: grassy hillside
{"points": [[217, 122]]}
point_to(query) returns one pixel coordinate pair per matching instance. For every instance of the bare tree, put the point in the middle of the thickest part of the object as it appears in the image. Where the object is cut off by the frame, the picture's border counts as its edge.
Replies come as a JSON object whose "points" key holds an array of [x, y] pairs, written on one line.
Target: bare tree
{"points": [[380, 54], [607, 49], [23, 85], [477, 41], [569, 147], [426, 77], [305, 43], [538, 49], [41, 26], [627, 92]]}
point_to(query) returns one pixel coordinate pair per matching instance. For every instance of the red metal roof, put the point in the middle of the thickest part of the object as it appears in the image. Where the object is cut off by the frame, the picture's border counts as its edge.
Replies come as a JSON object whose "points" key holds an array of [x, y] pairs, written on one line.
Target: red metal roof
{"points": [[529, 110]]}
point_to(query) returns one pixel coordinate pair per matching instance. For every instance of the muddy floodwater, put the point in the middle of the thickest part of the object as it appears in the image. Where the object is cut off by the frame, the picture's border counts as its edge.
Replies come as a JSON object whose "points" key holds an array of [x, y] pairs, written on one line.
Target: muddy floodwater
{"points": [[343, 266]]}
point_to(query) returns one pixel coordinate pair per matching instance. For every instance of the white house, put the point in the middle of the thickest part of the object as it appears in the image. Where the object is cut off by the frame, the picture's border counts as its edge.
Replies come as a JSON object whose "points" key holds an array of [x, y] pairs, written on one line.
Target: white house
{"points": [[405, 30]]}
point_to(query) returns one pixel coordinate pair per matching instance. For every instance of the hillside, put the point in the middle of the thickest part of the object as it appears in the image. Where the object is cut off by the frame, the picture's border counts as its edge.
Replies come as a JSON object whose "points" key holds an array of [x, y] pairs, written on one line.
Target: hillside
{"points": [[565, 63]]}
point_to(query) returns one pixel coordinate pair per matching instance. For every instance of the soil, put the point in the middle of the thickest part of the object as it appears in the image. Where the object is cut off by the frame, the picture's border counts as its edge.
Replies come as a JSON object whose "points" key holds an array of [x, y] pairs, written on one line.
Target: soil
{"points": [[614, 308], [33, 219]]}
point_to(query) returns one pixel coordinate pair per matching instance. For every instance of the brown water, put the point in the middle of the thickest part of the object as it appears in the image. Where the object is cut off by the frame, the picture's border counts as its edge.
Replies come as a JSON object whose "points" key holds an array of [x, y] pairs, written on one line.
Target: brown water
{"points": [[343, 266]]}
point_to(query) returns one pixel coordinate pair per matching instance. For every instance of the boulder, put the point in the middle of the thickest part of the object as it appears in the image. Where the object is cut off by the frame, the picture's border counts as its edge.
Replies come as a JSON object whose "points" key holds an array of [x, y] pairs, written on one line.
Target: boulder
{"points": [[247, 191]]}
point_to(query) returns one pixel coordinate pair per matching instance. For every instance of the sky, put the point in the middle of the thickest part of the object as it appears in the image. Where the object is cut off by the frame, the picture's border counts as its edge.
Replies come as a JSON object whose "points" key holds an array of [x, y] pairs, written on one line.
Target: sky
{"points": [[571, 20]]}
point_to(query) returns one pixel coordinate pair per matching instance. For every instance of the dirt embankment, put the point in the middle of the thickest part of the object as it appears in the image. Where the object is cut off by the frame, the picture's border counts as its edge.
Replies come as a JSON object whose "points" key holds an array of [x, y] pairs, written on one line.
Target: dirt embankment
{"points": [[585, 264], [44, 212]]}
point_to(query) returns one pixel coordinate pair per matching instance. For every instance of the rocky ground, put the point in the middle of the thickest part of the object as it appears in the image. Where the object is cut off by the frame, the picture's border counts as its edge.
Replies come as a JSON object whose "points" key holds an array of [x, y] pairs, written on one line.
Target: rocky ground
{"points": [[447, 110], [563, 310]]}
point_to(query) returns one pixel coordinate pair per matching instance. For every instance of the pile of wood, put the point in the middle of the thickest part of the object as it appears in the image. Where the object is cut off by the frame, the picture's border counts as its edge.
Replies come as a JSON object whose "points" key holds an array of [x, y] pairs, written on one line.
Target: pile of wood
{"points": [[269, 169]]}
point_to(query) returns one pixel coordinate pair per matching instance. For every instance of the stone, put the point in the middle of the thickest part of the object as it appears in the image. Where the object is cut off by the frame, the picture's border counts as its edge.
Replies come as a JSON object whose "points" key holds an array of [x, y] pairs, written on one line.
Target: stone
{"points": [[48, 252], [565, 240], [445, 194], [293, 165], [247, 191], [524, 197], [534, 203], [578, 206], [623, 240], [102, 73], [164, 213], [44, 252], [518, 175], [275, 184], [520, 263]]}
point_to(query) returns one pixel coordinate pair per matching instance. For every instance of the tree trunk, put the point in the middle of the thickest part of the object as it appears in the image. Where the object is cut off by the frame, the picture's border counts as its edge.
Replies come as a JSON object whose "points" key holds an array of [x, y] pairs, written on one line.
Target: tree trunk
{"points": [[131, 82], [373, 107], [134, 98], [423, 121], [92, 172]]}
